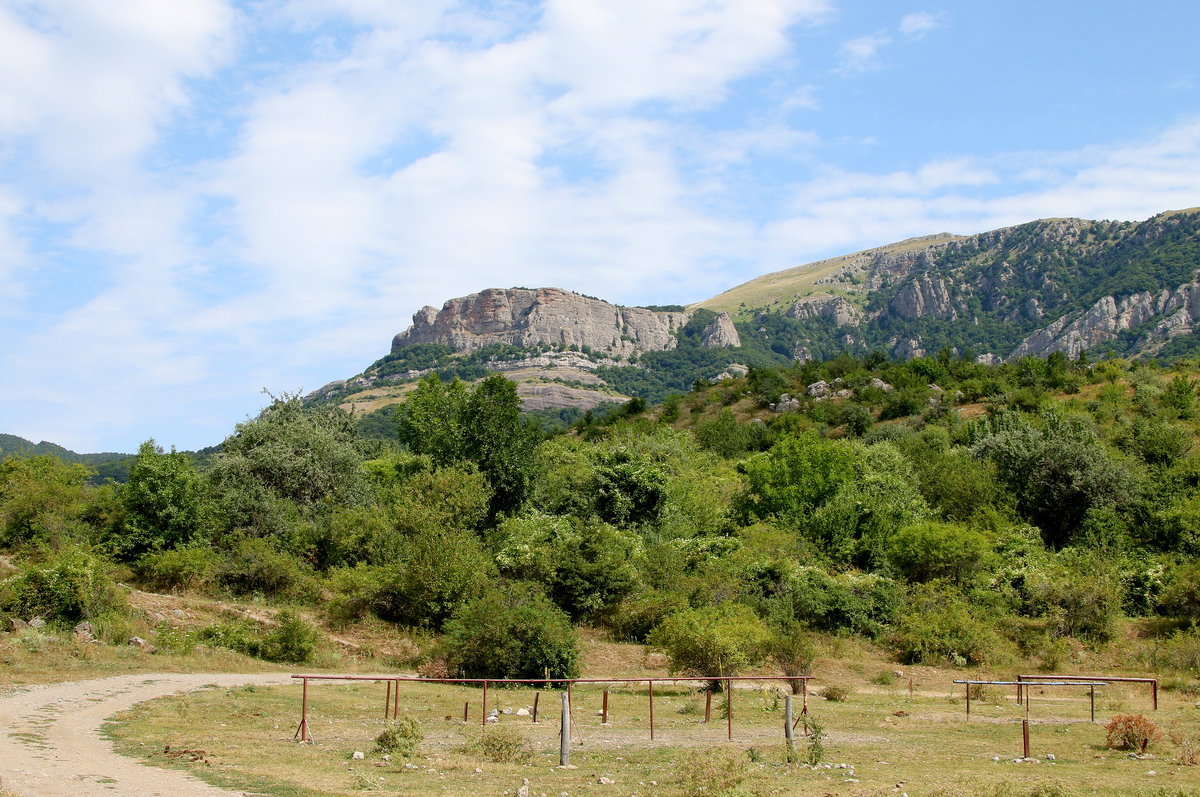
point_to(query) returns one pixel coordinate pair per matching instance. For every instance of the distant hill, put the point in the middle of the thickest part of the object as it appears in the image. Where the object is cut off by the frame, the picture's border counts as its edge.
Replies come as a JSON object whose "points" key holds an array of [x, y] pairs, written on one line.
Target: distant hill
{"points": [[1069, 285], [106, 465]]}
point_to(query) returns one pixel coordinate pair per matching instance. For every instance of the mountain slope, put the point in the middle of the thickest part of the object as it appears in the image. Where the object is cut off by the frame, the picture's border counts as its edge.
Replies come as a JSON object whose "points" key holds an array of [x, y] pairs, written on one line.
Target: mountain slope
{"points": [[1068, 285]]}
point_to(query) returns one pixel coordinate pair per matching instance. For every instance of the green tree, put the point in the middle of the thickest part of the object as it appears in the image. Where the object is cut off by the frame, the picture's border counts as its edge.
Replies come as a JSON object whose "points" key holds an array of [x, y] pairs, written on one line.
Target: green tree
{"points": [[795, 476], [289, 461], [1057, 471], [166, 503], [442, 571], [455, 423], [42, 499]]}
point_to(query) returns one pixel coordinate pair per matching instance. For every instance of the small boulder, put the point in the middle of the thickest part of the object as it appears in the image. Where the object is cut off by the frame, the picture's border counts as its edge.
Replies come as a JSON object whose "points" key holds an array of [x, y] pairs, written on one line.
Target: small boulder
{"points": [[37, 622], [16, 625], [358, 755], [522, 712]]}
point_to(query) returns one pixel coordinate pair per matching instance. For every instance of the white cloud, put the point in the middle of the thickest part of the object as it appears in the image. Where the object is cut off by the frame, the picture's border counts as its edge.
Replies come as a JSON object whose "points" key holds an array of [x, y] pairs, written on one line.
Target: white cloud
{"points": [[919, 23], [862, 54]]}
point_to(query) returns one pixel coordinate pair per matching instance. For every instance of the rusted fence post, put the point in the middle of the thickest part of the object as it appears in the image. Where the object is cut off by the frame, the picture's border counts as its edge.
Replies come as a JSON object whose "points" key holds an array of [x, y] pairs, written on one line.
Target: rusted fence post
{"points": [[387, 703], [396, 700], [604, 709], [1025, 737], [968, 700], [302, 731], [708, 705], [483, 714], [536, 695], [1092, 700], [466, 709]]}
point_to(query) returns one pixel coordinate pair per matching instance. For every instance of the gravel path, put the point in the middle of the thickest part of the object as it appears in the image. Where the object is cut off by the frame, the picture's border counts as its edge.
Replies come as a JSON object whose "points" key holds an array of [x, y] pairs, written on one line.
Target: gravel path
{"points": [[50, 743]]}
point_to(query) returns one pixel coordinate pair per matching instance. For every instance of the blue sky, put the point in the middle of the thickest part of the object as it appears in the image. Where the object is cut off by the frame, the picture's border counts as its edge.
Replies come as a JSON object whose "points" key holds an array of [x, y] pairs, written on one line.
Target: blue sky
{"points": [[200, 199]]}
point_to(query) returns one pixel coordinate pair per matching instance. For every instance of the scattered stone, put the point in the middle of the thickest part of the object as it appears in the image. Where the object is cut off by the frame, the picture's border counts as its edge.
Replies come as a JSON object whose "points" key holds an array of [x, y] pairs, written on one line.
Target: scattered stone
{"points": [[84, 632], [1151, 772], [37, 622], [522, 712], [493, 719], [817, 389], [786, 403], [137, 641], [16, 625], [523, 789], [506, 711], [879, 384], [900, 713], [358, 755], [603, 781], [180, 613], [1050, 757]]}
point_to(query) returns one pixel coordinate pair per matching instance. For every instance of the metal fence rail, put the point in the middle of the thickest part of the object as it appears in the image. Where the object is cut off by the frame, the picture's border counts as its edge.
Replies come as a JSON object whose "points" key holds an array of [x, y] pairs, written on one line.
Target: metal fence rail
{"points": [[392, 699]]}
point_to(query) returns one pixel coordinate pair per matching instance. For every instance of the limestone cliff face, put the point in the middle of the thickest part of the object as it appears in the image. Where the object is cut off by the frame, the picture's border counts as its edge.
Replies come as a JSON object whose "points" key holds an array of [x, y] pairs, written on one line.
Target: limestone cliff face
{"points": [[836, 309], [721, 333], [1165, 314], [527, 317]]}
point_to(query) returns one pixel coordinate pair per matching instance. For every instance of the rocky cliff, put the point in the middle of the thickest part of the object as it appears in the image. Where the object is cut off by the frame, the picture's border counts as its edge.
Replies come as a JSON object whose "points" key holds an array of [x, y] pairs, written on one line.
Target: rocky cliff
{"points": [[530, 317]]}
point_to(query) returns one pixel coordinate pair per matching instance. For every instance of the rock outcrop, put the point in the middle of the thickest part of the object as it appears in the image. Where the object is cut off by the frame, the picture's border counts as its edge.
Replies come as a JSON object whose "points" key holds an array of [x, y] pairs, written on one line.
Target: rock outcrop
{"points": [[721, 333], [526, 317], [1165, 314], [836, 309]]}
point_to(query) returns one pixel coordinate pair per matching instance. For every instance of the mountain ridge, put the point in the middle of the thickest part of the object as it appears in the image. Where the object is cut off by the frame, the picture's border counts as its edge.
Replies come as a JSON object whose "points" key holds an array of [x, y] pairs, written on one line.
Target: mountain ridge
{"points": [[1061, 284]]}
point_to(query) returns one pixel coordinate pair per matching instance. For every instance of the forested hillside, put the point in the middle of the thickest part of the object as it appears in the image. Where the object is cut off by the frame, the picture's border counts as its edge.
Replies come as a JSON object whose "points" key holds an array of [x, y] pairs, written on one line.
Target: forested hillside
{"points": [[952, 512]]}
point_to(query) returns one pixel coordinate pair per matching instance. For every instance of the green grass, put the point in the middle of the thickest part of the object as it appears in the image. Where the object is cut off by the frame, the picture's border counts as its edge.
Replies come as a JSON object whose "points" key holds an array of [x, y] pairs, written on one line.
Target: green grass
{"points": [[884, 738]]}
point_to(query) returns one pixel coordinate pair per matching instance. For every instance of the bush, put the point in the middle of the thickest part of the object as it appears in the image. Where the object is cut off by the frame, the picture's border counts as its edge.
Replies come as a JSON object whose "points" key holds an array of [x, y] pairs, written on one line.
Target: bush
{"points": [[941, 628], [837, 693], [1131, 732], [400, 737], [179, 569], [928, 551], [254, 566], [717, 772], [512, 632], [293, 640], [500, 744], [717, 640], [239, 637], [72, 587]]}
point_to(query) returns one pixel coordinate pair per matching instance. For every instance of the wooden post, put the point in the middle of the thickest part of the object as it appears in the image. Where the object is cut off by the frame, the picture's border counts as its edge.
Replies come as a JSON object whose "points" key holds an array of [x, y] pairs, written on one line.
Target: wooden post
{"points": [[604, 709], [1154, 692], [729, 709], [564, 732], [968, 699], [910, 688], [396, 700], [466, 707], [651, 710], [1092, 699], [789, 732], [483, 715], [387, 703], [708, 705], [804, 710], [536, 695], [1025, 737]]}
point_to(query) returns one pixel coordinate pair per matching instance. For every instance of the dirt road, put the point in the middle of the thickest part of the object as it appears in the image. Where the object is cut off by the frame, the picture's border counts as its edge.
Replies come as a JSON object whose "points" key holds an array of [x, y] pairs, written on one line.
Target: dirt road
{"points": [[50, 743]]}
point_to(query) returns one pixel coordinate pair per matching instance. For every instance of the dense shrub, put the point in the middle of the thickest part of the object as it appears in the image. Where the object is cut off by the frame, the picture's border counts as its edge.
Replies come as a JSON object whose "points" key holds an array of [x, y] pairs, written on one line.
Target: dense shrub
{"points": [[400, 737], [928, 551], [255, 566], [941, 628], [71, 587], [720, 640], [442, 571], [293, 640], [179, 569], [512, 631]]}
